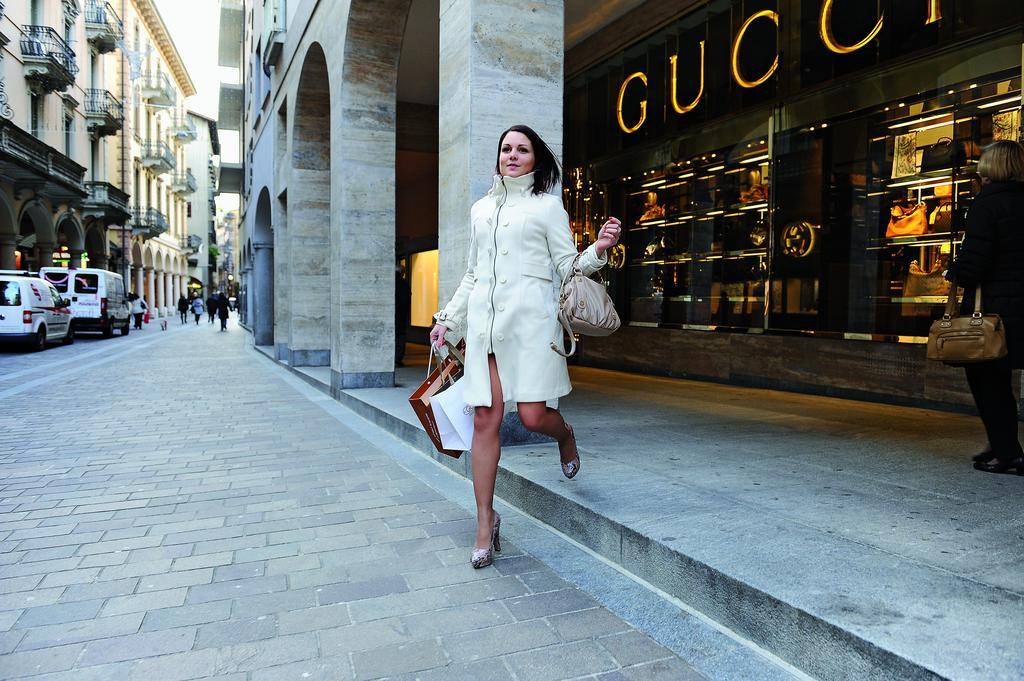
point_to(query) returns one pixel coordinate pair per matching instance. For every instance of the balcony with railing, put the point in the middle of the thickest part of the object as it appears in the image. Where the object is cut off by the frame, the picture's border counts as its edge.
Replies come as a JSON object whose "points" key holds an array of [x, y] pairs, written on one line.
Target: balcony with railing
{"points": [[156, 89], [106, 203], [49, 63], [158, 157], [184, 130], [103, 27], [148, 222], [104, 113], [184, 183]]}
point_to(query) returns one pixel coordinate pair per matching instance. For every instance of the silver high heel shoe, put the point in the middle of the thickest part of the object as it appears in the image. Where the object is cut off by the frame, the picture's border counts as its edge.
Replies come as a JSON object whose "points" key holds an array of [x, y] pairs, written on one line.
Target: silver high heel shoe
{"points": [[571, 468], [481, 558]]}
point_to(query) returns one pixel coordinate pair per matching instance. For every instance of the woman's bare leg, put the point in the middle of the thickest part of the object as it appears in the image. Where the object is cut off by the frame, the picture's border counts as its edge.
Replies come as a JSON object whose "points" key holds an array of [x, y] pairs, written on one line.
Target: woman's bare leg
{"points": [[486, 452], [540, 418]]}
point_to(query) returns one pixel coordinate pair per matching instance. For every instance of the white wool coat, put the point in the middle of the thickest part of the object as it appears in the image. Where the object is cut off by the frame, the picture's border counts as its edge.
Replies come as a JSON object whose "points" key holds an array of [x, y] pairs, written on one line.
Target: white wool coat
{"points": [[520, 249]]}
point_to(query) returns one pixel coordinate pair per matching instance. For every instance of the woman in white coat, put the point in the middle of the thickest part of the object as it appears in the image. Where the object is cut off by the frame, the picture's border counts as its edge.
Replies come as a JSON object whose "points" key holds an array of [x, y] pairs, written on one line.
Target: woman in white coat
{"points": [[520, 249]]}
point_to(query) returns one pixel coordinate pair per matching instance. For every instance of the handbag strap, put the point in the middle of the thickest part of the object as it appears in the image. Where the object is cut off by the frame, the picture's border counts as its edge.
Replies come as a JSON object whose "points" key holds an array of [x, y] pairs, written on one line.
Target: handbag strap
{"points": [[951, 300], [559, 346]]}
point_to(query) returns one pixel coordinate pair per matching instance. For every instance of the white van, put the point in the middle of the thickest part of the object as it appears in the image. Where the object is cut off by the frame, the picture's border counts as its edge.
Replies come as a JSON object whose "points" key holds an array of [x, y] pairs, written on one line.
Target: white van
{"points": [[98, 300], [32, 311]]}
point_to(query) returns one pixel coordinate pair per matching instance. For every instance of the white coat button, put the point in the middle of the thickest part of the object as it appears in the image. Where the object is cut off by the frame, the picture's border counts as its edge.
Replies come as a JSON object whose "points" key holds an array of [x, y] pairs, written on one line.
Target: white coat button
{"points": [[500, 338], [501, 308], [505, 224], [504, 251], [481, 335], [490, 221], [504, 280]]}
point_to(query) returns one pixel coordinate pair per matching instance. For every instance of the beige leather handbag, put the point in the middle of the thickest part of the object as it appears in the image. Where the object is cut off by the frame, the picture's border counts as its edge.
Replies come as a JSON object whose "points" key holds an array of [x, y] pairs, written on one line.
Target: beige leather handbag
{"points": [[584, 308], [957, 340]]}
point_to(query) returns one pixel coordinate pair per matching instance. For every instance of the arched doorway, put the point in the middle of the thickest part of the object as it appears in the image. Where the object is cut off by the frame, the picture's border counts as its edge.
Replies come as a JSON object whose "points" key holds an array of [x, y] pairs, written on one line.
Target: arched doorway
{"points": [[261, 289], [310, 225], [96, 245], [36, 237], [70, 242], [8, 235], [138, 283]]}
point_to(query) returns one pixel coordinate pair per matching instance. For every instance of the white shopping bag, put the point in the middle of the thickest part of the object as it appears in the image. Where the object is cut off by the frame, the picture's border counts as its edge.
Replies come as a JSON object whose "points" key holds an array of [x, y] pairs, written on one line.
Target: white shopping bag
{"points": [[454, 417]]}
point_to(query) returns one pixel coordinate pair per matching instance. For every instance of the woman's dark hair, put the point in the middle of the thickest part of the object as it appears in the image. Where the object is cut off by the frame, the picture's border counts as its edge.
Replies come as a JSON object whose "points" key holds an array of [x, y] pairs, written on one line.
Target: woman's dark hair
{"points": [[546, 172]]}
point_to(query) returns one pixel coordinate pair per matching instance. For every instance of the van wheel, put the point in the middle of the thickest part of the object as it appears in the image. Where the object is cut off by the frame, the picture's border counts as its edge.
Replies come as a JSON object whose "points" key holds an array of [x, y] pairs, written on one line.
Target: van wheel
{"points": [[70, 337], [108, 331], [40, 340], [126, 328]]}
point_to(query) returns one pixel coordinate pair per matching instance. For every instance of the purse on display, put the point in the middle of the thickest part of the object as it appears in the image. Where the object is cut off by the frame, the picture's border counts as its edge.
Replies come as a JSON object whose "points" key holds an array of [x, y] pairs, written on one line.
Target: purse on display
{"points": [[921, 283], [584, 307], [907, 222], [966, 339], [941, 218], [946, 154], [1006, 126], [904, 157], [658, 246]]}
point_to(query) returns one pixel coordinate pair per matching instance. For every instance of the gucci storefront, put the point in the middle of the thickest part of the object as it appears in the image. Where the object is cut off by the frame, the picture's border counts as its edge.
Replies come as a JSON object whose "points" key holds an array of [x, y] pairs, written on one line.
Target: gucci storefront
{"points": [[793, 176]]}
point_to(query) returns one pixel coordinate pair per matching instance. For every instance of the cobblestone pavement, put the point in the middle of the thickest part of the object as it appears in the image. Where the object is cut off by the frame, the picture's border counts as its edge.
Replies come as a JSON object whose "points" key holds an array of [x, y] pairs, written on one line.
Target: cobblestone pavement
{"points": [[176, 509]]}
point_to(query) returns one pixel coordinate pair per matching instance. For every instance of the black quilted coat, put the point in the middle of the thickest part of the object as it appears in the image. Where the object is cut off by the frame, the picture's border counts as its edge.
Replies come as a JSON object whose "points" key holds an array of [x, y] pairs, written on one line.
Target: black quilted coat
{"points": [[993, 254]]}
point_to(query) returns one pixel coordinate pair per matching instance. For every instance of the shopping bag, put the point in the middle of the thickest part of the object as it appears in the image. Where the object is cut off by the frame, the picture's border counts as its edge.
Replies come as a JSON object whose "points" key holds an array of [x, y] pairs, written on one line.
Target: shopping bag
{"points": [[146, 319], [454, 417], [438, 378]]}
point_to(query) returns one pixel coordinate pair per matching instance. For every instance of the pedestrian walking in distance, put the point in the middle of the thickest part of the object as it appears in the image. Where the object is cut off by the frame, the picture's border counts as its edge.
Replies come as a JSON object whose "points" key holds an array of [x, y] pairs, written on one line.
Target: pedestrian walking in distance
{"points": [[183, 308], [993, 255], [222, 311], [520, 248], [138, 310], [211, 306], [198, 308]]}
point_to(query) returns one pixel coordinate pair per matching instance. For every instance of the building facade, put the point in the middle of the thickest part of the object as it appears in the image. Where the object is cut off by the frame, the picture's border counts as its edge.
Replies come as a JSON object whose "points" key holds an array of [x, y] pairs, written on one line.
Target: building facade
{"points": [[201, 210], [793, 174], [94, 143]]}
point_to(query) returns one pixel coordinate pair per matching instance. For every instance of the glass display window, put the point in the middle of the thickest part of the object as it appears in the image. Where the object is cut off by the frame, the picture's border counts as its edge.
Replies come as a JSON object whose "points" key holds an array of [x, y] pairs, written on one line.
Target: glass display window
{"points": [[870, 208]]}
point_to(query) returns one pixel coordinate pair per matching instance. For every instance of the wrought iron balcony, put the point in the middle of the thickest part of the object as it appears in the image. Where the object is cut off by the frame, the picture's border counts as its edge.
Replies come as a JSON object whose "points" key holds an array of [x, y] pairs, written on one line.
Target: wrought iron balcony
{"points": [[27, 161], [107, 203], [103, 28], [104, 113], [157, 89], [184, 130], [158, 157], [184, 183], [49, 63], [148, 222]]}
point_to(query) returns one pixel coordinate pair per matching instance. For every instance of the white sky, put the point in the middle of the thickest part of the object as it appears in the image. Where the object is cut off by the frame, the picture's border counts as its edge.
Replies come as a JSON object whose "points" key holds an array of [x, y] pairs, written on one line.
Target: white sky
{"points": [[194, 27]]}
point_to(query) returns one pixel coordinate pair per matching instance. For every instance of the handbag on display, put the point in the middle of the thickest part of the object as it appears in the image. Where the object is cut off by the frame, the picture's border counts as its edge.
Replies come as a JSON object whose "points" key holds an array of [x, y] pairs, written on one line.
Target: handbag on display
{"points": [[904, 157], [658, 245], [966, 339], [907, 222], [920, 283], [1006, 126], [945, 154], [441, 377], [941, 218], [584, 308]]}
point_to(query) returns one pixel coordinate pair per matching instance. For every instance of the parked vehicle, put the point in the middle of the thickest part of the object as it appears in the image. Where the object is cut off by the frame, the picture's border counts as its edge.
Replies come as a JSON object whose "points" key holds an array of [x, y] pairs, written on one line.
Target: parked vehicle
{"points": [[33, 312], [98, 299]]}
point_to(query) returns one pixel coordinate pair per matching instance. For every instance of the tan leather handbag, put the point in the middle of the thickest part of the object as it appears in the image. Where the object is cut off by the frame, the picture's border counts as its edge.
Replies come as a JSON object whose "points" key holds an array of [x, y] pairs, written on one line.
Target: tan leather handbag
{"points": [[957, 340], [913, 222], [584, 308]]}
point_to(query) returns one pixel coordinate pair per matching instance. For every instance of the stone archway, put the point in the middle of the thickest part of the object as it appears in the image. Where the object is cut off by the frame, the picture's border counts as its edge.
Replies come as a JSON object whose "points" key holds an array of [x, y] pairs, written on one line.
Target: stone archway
{"points": [[70, 234], [96, 245], [36, 235], [311, 327], [260, 293], [138, 283]]}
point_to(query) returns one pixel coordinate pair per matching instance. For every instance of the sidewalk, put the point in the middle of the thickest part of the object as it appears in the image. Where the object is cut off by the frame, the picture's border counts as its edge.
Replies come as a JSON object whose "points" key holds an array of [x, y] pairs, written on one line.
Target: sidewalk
{"points": [[851, 539], [219, 519]]}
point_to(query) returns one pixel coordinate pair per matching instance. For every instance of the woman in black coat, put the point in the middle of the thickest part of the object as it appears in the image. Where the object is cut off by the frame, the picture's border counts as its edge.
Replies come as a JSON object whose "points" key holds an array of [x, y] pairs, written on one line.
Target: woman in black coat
{"points": [[993, 255], [222, 311]]}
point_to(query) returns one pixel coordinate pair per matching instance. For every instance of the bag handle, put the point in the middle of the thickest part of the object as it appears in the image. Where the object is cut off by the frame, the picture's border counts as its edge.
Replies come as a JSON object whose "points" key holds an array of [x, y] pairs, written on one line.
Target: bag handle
{"points": [[559, 346], [951, 300]]}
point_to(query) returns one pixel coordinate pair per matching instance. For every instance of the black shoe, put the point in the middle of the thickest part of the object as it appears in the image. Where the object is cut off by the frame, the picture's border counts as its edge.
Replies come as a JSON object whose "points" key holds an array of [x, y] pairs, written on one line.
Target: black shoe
{"points": [[1001, 466], [982, 457]]}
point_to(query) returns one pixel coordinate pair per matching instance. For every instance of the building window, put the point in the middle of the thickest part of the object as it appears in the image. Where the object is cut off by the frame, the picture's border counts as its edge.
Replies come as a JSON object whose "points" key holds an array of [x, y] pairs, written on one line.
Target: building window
{"points": [[69, 128], [36, 107]]}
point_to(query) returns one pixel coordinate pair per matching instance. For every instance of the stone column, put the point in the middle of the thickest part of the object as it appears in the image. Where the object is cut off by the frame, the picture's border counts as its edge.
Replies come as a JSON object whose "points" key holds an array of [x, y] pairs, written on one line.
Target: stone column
{"points": [[8, 249], [99, 260], [44, 254], [75, 260], [175, 290], [169, 300], [262, 294], [508, 81], [281, 274], [151, 291], [140, 285], [159, 282]]}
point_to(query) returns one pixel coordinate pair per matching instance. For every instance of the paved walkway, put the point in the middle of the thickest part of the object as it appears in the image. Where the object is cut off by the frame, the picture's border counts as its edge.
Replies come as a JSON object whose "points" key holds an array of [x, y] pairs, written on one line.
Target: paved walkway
{"points": [[177, 508]]}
